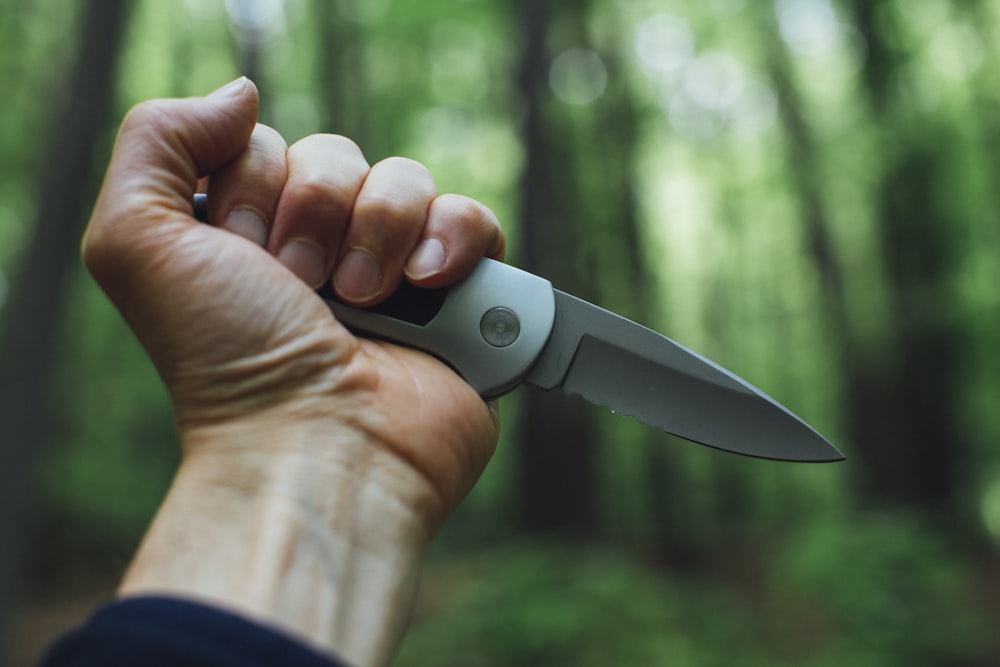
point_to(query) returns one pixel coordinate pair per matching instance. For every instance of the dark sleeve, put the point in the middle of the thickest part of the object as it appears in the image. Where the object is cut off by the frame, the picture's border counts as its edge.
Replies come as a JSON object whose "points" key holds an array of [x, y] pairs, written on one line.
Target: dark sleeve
{"points": [[168, 632]]}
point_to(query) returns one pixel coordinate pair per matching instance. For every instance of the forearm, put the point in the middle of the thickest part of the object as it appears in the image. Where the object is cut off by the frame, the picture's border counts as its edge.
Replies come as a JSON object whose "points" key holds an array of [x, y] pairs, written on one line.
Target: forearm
{"points": [[323, 546]]}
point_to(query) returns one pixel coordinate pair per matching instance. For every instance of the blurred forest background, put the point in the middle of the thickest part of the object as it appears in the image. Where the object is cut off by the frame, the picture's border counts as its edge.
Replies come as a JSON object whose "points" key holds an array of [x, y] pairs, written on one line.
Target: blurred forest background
{"points": [[806, 191]]}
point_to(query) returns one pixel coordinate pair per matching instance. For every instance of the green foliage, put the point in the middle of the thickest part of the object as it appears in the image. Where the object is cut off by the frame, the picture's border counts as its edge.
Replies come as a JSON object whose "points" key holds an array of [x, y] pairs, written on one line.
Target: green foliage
{"points": [[872, 591], [565, 605], [886, 589], [812, 129]]}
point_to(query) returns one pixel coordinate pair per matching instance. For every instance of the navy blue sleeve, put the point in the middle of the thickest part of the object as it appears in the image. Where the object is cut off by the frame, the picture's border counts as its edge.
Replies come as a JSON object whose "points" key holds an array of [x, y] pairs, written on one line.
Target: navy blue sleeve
{"points": [[168, 632]]}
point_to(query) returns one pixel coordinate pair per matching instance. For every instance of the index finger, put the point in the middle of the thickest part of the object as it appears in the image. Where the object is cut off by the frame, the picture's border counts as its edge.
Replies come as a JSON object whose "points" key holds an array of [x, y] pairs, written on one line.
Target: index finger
{"points": [[244, 194]]}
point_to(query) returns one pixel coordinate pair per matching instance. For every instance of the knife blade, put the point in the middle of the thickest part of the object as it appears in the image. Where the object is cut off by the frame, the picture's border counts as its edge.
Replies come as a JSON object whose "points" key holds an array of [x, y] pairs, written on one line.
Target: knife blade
{"points": [[502, 326]]}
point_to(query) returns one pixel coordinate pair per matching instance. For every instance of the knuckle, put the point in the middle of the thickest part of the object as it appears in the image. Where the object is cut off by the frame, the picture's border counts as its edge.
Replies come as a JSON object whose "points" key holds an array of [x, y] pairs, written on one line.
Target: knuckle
{"points": [[341, 144], [405, 165], [150, 114], [388, 209], [398, 192], [260, 172], [328, 145], [107, 242], [319, 191], [407, 173], [267, 147], [262, 132], [98, 252], [143, 111], [90, 248], [465, 215], [464, 209]]}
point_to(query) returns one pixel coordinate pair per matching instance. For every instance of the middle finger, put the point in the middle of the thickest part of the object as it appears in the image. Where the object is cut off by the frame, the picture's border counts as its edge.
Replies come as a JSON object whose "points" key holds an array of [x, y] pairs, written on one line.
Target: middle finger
{"points": [[325, 174], [389, 215]]}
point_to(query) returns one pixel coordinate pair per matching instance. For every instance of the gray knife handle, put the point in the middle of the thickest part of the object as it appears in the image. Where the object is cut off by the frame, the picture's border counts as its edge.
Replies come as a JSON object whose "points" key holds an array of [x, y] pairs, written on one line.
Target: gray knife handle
{"points": [[458, 326], [490, 328]]}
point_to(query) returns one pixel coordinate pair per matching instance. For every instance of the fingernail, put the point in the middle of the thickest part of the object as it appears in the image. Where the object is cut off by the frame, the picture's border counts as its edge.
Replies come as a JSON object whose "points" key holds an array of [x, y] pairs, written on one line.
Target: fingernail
{"points": [[359, 276], [305, 259], [248, 224], [231, 89], [426, 260]]}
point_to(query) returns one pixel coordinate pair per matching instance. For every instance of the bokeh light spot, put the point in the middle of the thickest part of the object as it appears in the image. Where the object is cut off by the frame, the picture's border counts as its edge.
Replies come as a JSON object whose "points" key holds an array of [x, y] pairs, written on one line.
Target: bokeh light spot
{"points": [[578, 76], [664, 44]]}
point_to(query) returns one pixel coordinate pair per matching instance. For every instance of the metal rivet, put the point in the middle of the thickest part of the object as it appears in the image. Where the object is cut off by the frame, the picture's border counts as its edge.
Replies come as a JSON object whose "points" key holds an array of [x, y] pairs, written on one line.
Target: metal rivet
{"points": [[500, 327]]}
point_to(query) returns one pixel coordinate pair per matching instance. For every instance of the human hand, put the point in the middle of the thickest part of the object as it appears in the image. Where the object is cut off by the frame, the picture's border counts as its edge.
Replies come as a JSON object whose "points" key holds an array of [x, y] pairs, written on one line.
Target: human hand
{"points": [[277, 404], [236, 336]]}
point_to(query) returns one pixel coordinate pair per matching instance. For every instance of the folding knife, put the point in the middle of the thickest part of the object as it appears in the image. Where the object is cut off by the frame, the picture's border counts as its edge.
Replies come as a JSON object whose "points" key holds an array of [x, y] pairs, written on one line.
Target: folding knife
{"points": [[501, 327]]}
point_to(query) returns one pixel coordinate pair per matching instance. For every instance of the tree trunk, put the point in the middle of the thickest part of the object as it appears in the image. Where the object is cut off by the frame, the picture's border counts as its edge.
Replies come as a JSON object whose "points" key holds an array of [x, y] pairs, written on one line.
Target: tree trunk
{"points": [[906, 439], [250, 32], [34, 313], [556, 435], [341, 86]]}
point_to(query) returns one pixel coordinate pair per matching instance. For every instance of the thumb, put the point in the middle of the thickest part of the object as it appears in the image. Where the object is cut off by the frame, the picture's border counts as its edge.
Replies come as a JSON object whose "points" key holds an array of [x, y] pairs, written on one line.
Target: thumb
{"points": [[163, 147]]}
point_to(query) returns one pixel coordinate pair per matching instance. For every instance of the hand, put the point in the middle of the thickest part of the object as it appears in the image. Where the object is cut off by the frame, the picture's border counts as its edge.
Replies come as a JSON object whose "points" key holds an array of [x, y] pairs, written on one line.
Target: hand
{"points": [[285, 417]]}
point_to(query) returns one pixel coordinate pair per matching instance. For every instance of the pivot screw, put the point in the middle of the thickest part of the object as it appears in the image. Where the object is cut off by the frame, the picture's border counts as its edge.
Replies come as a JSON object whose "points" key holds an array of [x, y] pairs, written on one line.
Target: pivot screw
{"points": [[500, 327]]}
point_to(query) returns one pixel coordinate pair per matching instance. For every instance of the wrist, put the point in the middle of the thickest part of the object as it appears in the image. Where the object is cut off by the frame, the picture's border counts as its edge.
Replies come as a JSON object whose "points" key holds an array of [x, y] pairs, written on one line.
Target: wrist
{"points": [[316, 533]]}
